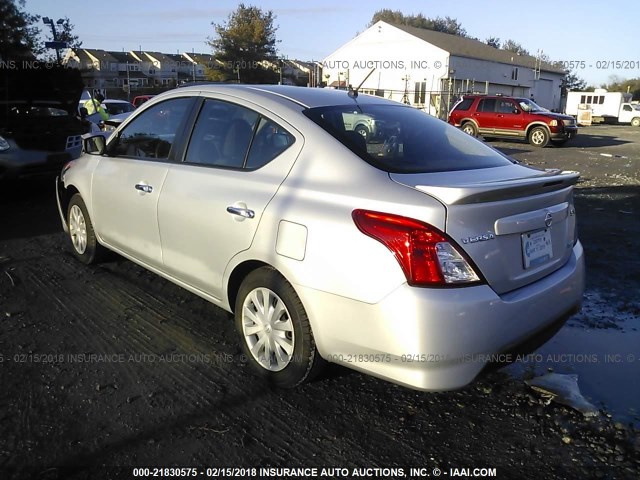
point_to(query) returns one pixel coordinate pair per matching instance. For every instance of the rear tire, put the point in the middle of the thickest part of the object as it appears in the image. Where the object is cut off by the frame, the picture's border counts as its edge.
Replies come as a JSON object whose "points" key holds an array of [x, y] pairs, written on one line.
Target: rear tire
{"points": [[539, 137], [470, 129], [81, 234], [274, 330]]}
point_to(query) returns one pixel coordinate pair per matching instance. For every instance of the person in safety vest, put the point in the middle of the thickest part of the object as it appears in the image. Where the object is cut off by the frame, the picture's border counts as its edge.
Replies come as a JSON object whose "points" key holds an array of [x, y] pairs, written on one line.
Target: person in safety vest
{"points": [[94, 105]]}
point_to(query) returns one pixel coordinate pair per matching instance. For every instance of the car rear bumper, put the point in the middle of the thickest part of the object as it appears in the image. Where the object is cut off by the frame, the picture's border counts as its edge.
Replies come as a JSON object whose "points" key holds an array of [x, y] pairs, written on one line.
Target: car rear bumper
{"points": [[27, 164], [440, 339]]}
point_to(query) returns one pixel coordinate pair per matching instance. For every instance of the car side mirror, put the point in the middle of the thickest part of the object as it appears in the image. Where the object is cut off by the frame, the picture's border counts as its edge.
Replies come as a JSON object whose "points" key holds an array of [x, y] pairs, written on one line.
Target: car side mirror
{"points": [[95, 145], [515, 110]]}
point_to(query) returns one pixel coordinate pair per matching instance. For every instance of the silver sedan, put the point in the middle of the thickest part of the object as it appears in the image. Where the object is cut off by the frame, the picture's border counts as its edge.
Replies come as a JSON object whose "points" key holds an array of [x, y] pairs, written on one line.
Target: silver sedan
{"points": [[414, 253]]}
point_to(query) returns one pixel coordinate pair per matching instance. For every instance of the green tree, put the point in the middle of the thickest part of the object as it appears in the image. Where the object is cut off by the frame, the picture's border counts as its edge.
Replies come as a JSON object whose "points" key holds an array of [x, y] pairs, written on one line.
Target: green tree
{"points": [[18, 31], [573, 82], [245, 47], [631, 85], [439, 24], [515, 47], [493, 42], [449, 25]]}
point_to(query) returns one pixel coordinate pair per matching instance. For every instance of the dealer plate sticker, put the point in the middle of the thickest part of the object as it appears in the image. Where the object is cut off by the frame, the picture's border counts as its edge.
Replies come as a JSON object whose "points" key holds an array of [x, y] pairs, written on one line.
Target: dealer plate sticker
{"points": [[536, 248]]}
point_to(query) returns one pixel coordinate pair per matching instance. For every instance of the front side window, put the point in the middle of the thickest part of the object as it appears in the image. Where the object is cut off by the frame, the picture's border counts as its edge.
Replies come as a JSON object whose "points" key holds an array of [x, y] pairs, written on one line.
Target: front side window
{"points": [[506, 106], [152, 134], [405, 140], [530, 106]]}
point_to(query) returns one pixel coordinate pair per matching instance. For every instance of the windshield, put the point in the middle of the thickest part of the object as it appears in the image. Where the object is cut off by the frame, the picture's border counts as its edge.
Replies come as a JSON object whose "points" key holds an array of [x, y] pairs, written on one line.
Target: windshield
{"points": [[402, 139], [530, 106]]}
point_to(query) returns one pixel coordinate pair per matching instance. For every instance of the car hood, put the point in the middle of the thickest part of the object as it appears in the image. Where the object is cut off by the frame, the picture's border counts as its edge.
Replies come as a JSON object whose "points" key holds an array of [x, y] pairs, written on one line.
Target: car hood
{"points": [[55, 87], [556, 116]]}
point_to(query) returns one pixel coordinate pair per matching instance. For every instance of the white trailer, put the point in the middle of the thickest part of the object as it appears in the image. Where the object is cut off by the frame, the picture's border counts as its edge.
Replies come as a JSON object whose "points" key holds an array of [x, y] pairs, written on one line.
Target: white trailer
{"points": [[603, 106]]}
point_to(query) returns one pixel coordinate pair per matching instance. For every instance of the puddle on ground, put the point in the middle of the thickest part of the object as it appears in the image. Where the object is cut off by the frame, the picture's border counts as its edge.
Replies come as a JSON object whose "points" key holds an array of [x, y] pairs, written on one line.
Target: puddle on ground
{"points": [[602, 346]]}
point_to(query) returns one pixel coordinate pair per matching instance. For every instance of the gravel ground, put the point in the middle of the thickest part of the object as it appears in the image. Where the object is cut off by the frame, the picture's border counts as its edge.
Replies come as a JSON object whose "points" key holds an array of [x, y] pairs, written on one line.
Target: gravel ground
{"points": [[110, 367]]}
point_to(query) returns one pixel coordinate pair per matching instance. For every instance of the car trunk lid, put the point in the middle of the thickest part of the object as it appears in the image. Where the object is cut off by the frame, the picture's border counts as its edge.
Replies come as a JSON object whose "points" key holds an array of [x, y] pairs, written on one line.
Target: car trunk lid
{"points": [[516, 223]]}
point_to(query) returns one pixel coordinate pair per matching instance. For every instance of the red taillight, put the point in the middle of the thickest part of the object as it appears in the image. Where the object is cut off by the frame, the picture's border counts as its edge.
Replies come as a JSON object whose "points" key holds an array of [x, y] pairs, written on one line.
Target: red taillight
{"points": [[426, 255]]}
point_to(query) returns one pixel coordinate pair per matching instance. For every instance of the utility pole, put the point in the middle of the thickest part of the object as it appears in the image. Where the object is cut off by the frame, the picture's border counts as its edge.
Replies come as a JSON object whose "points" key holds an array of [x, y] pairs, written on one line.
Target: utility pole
{"points": [[55, 44]]}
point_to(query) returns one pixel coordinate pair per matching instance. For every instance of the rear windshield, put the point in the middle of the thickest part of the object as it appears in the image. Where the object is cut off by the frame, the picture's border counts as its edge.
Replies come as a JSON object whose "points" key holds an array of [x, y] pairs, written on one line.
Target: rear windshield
{"points": [[402, 139]]}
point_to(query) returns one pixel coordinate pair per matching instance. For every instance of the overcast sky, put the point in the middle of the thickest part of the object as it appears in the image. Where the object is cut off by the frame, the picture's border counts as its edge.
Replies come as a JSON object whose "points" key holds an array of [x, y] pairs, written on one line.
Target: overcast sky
{"points": [[596, 32]]}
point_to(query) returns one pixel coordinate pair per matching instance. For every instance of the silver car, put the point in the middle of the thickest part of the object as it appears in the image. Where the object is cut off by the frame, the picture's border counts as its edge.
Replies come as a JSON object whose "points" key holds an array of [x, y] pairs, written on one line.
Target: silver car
{"points": [[416, 255]]}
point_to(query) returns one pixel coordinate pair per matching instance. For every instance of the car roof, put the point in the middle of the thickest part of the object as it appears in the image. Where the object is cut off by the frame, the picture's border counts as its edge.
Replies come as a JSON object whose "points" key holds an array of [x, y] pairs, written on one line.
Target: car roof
{"points": [[303, 96], [483, 95]]}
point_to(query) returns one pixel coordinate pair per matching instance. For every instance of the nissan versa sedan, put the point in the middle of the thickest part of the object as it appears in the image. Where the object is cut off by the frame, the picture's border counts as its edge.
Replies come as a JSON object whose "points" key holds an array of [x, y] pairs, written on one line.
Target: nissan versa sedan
{"points": [[414, 255]]}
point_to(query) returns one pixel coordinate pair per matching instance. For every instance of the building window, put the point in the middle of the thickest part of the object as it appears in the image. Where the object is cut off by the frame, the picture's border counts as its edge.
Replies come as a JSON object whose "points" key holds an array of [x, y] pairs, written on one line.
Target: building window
{"points": [[514, 74]]}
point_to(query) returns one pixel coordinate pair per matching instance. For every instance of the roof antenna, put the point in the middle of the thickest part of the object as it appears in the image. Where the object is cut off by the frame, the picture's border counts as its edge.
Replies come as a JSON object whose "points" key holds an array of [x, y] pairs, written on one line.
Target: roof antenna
{"points": [[354, 93]]}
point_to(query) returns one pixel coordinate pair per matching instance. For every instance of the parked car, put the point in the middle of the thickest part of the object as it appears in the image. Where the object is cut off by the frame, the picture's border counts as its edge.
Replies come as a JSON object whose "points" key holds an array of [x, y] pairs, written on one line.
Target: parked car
{"points": [[414, 257], [39, 129], [140, 99], [511, 117]]}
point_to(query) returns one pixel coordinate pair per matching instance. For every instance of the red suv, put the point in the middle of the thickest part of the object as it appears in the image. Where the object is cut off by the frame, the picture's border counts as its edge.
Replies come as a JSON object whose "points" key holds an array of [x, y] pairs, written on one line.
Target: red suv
{"points": [[511, 117]]}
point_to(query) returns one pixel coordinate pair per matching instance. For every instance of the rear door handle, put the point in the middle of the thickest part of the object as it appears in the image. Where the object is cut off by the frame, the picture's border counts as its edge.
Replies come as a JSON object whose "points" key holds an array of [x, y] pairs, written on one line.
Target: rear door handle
{"points": [[242, 212], [143, 187]]}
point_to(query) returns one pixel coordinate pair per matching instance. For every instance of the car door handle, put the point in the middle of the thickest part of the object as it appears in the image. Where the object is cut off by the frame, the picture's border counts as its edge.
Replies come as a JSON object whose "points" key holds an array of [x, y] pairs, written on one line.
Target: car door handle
{"points": [[242, 212], [143, 187]]}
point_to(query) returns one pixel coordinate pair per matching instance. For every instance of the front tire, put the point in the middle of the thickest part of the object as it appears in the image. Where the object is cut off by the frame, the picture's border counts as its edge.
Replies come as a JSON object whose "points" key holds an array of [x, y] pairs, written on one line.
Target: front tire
{"points": [[635, 122], [81, 234], [275, 333], [539, 137]]}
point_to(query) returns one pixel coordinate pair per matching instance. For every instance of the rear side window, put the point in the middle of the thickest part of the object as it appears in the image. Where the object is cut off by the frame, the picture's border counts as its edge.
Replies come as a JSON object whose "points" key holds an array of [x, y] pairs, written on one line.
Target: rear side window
{"points": [[402, 139], [464, 104], [487, 105], [269, 142], [229, 135]]}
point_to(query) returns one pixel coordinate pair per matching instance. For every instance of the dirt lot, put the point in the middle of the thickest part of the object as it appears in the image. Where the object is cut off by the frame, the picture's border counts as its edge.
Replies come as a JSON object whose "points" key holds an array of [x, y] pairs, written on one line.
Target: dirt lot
{"points": [[112, 366]]}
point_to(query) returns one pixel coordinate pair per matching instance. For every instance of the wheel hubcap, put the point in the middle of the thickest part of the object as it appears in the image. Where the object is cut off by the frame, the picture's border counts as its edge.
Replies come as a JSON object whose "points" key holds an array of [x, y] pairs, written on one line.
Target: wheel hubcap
{"points": [[78, 229], [268, 329], [537, 137]]}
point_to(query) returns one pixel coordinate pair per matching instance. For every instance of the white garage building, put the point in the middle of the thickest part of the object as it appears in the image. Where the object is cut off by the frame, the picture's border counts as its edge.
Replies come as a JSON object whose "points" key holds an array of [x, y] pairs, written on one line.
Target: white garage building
{"points": [[431, 69]]}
